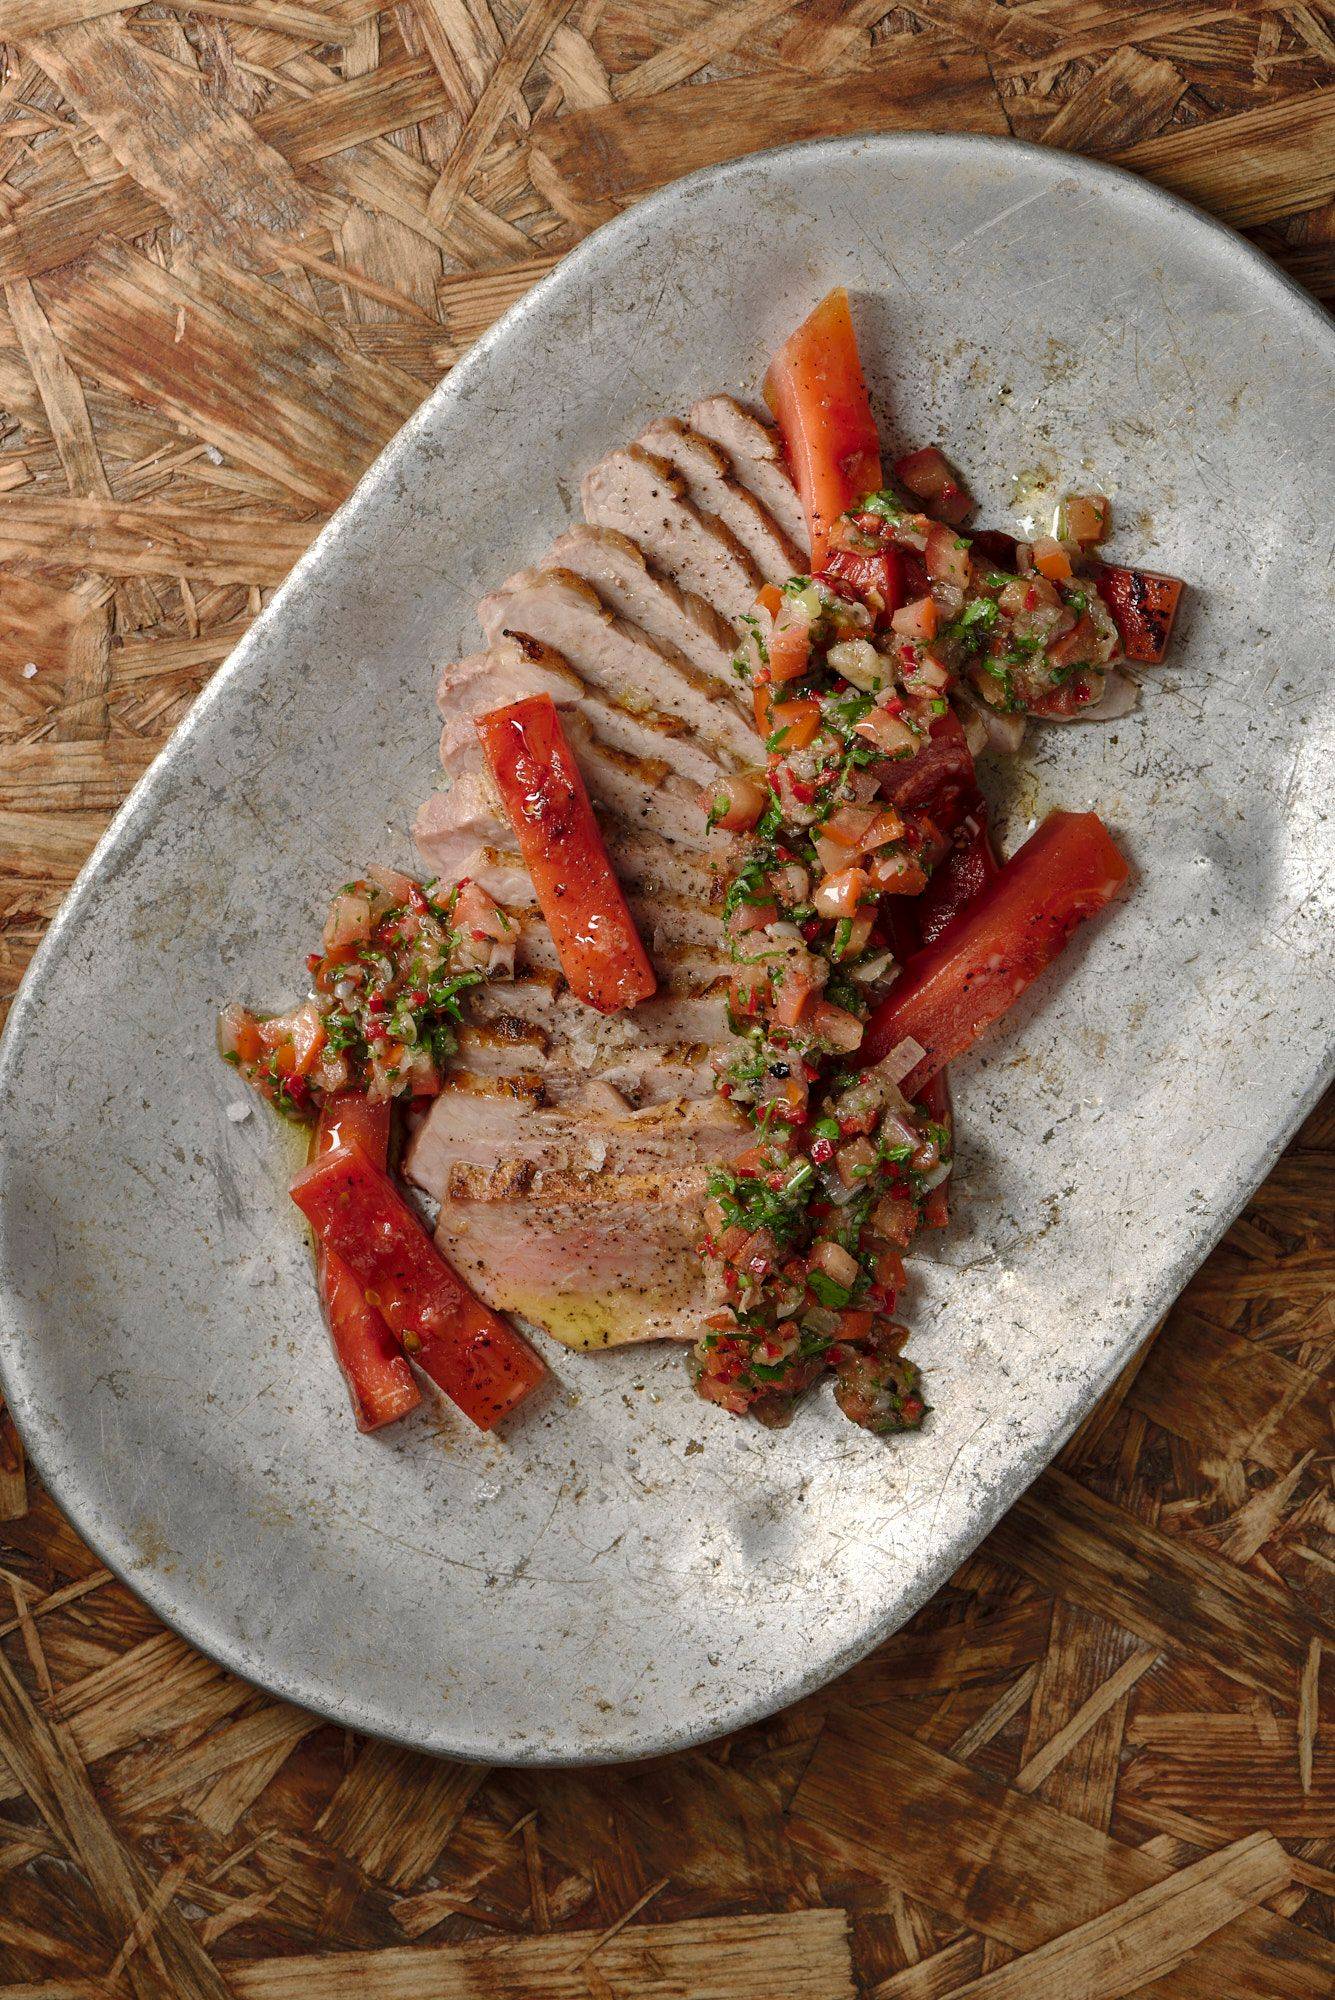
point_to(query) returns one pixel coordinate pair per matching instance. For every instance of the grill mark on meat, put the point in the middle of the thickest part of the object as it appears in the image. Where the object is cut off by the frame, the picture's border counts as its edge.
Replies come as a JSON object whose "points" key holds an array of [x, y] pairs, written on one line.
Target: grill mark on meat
{"points": [[642, 496], [719, 495], [618, 660], [521, 664], [627, 790], [756, 452], [632, 587], [479, 1125], [645, 864]]}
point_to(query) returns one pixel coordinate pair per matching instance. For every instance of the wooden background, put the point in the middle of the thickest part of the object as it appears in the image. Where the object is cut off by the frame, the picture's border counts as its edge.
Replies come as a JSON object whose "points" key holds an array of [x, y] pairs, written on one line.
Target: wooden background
{"points": [[237, 244]]}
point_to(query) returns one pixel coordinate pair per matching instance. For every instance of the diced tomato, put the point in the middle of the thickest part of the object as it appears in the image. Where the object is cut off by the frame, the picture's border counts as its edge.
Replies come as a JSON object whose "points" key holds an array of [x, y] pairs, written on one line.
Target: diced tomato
{"points": [[239, 1034], [931, 478], [789, 643], [539, 781], [918, 620], [1051, 560], [947, 556], [877, 575], [838, 896], [296, 1039], [381, 1386], [468, 1350], [799, 721], [1143, 606], [888, 733], [836, 1028], [816, 389], [952, 990], [1084, 518], [792, 1000]]}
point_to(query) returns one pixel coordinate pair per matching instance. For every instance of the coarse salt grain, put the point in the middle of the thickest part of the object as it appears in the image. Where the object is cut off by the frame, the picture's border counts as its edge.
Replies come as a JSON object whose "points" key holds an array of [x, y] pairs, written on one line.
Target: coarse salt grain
{"points": [[238, 1113], [30, 671]]}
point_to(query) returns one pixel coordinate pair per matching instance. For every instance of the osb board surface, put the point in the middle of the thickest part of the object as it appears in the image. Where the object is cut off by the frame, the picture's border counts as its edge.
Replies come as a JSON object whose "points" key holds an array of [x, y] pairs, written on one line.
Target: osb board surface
{"points": [[237, 244]]}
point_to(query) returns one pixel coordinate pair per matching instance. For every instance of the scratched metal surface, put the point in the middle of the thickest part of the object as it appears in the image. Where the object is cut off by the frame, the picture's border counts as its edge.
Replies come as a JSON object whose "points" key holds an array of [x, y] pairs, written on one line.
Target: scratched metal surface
{"points": [[628, 1571]]}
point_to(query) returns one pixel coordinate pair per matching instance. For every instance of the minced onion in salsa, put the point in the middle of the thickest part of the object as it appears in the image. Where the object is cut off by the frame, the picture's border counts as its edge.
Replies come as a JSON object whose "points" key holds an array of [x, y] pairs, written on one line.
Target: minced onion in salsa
{"points": [[385, 999], [865, 775]]}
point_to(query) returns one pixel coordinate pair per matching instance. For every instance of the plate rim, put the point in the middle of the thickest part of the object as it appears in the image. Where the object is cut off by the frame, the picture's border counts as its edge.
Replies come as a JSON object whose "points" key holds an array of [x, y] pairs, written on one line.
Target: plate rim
{"points": [[149, 1585]]}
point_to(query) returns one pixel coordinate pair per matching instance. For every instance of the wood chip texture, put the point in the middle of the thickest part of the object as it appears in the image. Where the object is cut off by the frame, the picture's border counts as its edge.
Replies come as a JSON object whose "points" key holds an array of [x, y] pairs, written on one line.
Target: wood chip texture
{"points": [[238, 243]]}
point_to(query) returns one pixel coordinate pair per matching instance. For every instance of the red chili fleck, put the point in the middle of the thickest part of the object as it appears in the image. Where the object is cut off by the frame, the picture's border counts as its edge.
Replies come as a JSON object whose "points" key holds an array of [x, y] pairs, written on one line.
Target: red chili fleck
{"points": [[417, 901], [811, 928], [822, 1151], [418, 997], [776, 1181], [375, 1003], [314, 962], [1030, 598]]}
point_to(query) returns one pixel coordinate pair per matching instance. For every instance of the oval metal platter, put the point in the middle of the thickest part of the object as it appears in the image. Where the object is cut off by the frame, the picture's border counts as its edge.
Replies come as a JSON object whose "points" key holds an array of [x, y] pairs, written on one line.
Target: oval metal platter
{"points": [[628, 1571]]}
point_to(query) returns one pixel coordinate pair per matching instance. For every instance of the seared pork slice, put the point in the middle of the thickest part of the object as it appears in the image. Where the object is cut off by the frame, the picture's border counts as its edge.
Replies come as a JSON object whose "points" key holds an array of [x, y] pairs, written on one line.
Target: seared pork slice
{"points": [[635, 791], [633, 589], [646, 864], [485, 1139], [710, 483], [611, 1263], [552, 1037], [684, 965], [643, 1075], [529, 1138], [642, 496], [633, 671], [756, 451], [583, 1219], [521, 664], [673, 927]]}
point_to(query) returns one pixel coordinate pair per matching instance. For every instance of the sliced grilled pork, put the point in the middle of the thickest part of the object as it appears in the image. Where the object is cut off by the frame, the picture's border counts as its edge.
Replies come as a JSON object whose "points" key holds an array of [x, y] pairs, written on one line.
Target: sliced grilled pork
{"points": [[642, 496], [645, 1074], [757, 463], [582, 1218], [458, 838], [484, 1138], [618, 659], [687, 1022], [520, 664], [532, 1032], [632, 791], [612, 1263], [711, 485], [581, 1212], [632, 588]]}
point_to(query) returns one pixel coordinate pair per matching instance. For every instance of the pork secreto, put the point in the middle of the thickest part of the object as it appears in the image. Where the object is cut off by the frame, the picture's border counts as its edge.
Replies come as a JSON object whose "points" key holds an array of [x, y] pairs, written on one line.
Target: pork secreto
{"points": [[569, 1151]]}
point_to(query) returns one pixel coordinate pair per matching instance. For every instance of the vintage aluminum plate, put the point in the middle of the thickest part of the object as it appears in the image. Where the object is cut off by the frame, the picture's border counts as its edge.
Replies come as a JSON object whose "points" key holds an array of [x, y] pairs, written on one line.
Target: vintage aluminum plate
{"points": [[628, 1571]]}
